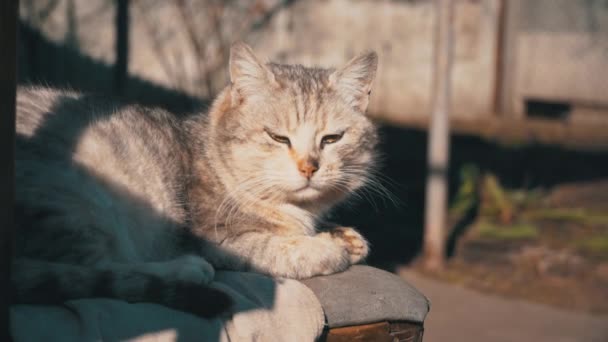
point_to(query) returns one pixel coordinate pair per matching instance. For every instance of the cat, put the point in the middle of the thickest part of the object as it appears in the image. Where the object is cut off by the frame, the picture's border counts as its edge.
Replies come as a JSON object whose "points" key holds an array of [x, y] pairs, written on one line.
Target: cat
{"points": [[139, 204]]}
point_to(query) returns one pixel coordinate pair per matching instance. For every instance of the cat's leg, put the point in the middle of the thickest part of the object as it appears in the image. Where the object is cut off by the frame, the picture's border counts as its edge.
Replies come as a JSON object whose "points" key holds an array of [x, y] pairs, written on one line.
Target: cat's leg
{"points": [[180, 283], [292, 256]]}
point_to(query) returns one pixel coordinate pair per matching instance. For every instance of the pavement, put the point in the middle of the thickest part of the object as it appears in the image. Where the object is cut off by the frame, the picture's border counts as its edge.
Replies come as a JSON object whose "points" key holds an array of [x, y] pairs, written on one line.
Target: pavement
{"points": [[460, 314]]}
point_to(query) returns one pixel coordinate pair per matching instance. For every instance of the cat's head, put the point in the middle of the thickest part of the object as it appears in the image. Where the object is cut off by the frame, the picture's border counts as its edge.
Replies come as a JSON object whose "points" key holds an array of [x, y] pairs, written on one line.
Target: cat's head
{"points": [[295, 134]]}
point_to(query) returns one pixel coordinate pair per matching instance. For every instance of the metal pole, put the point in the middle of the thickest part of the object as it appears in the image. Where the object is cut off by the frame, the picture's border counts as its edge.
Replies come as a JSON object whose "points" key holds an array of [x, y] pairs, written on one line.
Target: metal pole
{"points": [[438, 150]]}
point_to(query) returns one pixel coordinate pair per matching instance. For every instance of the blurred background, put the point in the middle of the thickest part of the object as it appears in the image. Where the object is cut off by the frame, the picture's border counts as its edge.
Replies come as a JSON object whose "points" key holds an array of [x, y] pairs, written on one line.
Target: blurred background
{"points": [[526, 237]]}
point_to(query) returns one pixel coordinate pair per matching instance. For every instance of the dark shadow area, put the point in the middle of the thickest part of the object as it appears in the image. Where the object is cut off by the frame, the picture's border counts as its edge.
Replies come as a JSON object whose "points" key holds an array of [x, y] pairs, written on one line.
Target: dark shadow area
{"points": [[121, 67], [8, 43], [396, 232], [547, 109]]}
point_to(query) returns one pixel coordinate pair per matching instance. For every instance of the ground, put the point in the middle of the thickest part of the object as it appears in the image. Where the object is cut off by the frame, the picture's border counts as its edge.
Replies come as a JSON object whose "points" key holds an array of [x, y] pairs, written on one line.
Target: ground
{"points": [[459, 314]]}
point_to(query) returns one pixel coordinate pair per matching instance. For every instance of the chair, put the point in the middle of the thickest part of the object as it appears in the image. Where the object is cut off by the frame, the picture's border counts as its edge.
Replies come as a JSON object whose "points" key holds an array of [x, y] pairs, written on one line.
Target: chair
{"points": [[368, 304]]}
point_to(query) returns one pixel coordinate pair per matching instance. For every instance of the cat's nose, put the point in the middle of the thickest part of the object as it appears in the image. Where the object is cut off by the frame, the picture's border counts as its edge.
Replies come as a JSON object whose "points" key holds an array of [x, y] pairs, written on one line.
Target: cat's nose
{"points": [[308, 167]]}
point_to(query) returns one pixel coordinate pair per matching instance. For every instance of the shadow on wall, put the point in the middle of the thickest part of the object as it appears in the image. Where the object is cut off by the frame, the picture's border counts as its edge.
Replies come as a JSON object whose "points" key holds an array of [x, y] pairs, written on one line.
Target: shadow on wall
{"points": [[43, 62]]}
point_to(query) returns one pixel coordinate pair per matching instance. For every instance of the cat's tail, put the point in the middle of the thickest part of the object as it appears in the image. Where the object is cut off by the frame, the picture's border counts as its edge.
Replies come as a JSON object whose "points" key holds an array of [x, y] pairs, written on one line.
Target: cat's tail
{"points": [[43, 282]]}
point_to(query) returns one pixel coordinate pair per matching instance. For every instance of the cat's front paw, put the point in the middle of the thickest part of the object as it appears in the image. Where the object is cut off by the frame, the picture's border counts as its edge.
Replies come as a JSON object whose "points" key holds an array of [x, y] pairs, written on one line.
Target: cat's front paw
{"points": [[355, 243]]}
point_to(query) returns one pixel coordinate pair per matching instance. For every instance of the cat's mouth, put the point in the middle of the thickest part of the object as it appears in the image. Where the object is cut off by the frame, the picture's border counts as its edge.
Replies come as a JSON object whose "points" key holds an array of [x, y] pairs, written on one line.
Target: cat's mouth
{"points": [[307, 186], [307, 191]]}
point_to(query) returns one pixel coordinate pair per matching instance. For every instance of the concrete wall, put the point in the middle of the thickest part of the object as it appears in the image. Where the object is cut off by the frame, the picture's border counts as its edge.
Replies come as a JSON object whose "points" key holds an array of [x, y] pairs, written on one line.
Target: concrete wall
{"points": [[559, 53], [555, 50], [314, 32], [331, 32]]}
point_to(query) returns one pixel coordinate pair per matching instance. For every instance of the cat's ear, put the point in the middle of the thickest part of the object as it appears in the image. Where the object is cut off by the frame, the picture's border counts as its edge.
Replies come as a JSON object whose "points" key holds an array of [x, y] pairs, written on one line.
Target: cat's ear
{"points": [[247, 73], [354, 81]]}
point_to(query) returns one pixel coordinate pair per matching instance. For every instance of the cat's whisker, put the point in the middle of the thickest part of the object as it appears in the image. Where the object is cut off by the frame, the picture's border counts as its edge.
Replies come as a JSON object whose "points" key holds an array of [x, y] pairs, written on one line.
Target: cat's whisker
{"points": [[379, 189], [375, 173], [251, 195], [371, 186], [229, 202], [240, 198], [345, 186]]}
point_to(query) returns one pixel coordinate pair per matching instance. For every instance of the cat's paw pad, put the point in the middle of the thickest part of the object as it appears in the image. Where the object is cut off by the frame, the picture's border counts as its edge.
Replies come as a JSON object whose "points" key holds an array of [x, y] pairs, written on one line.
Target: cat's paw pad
{"points": [[355, 243], [192, 268]]}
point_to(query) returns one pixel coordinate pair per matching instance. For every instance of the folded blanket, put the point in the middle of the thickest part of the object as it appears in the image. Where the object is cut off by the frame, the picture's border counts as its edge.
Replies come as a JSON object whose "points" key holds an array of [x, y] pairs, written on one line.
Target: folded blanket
{"points": [[265, 310]]}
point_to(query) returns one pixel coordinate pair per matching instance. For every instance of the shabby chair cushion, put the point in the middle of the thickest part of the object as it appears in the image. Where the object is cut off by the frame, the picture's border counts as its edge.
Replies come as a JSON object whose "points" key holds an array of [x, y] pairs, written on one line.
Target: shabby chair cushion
{"points": [[363, 295]]}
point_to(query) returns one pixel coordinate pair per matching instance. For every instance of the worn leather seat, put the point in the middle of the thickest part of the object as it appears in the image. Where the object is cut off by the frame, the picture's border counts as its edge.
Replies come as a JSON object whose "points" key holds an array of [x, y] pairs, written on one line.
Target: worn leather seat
{"points": [[364, 295]]}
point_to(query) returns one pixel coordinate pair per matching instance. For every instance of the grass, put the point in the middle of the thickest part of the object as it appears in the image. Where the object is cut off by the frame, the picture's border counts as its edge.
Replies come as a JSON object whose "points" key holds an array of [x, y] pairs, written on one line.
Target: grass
{"points": [[575, 215], [596, 245], [518, 231]]}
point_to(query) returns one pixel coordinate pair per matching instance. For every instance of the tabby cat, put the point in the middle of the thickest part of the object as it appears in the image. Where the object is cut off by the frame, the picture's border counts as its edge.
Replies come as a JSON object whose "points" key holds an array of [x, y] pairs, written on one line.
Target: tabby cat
{"points": [[141, 205]]}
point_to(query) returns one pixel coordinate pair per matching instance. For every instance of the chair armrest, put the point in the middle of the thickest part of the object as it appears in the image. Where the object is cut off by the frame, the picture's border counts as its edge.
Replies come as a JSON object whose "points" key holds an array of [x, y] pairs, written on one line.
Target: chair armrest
{"points": [[363, 295]]}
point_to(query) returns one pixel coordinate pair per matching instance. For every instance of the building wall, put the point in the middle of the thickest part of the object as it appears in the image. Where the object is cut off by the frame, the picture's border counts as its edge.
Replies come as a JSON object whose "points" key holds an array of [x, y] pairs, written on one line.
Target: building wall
{"points": [[314, 32], [559, 54], [331, 32]]}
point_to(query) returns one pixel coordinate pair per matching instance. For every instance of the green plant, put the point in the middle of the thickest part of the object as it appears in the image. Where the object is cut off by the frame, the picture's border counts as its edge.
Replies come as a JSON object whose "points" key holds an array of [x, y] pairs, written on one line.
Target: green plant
{"points": [[518, 231], [596, 245]]}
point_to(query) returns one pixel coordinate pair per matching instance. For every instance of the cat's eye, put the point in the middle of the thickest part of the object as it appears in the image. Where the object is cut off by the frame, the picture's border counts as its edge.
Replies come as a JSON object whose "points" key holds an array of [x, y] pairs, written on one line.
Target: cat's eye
{"points": [[330, 139], [278, 138]]}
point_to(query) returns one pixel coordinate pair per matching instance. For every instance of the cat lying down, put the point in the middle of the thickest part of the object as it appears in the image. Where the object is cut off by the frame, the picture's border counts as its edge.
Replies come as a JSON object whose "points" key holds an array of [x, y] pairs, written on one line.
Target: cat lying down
{"points": [[141, 205]]}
